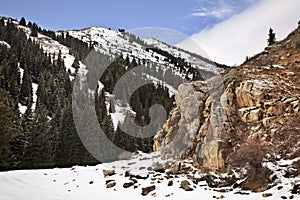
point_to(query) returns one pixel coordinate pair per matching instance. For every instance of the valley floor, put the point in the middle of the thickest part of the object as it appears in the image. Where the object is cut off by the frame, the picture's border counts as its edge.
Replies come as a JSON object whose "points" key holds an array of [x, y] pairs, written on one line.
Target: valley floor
{"points": [[89, 183]]}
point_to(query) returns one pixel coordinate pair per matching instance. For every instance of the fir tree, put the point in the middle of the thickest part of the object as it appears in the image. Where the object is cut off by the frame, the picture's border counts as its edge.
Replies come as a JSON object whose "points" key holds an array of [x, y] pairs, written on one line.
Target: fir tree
{"points": [[23, 21], [271, 37], [10, 130], [112, 108], [26, 88]]}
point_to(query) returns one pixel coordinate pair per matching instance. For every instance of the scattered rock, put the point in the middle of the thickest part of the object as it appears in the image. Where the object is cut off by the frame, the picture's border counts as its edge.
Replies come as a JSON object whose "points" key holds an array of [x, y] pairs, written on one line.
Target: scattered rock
{"points": [[108, 173], [291, 172], [265, 195], [283, 197], [242, 193], [133, 180], [147, 190], [210, 180], [158, 167], [168, 176], [221, 190], [175, 168], [91, 182], [159, 170], [279, 187], [296, 189], [127, 174], [110, 184], [149, 168], [133, 176], [139, 176], [132, 163], [186, 186], [127, 185], [170, 183], [220, 197], [108, 181]]}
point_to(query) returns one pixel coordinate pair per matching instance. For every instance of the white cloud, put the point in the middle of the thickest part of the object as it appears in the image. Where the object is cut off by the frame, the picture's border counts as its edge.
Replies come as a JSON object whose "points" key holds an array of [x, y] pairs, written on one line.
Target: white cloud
{"points": [[245, 34], [219, 13], [221, 9]]}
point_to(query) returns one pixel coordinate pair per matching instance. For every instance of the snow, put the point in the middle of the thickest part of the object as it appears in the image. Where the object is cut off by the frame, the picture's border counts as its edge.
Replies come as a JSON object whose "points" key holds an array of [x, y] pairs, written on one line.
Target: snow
{"points": [[34, 98], [88, 182], [119, 115], [54, 48], [21, 74], [172, 90], [69, 60], [195, 61], [278, 66], [22, 108], [5, 43], [110, 42]]}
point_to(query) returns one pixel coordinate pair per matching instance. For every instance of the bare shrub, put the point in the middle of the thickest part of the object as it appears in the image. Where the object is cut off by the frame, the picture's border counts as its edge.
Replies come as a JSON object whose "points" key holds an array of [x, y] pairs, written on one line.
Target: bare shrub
{"points": [[250, 157], [249, 154]]}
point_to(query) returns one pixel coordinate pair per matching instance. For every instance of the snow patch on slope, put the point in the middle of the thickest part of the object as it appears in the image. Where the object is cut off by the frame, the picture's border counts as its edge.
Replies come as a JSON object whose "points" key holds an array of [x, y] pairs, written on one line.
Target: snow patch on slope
{"points": [[5, 44]]}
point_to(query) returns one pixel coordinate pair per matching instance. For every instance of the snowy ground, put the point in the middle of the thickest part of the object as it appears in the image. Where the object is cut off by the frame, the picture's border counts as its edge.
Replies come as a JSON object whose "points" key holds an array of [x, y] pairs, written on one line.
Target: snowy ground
{"points": [[79, 183]]}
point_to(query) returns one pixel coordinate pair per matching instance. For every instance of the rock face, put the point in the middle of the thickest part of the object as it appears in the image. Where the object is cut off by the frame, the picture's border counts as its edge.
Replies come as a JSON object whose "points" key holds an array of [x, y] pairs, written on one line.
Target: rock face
{"points": [[198, 127], [259, 100]]}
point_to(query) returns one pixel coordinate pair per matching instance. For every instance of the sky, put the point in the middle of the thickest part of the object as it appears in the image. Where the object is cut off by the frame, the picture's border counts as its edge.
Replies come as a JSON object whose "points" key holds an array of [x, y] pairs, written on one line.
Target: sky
{"points": [[185, 16], [245, 34], [224, 30]]}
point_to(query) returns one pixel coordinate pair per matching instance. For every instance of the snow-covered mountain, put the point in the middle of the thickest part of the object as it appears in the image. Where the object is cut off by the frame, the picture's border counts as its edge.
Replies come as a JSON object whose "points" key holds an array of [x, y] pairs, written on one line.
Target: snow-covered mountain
{"points": [[117, 42], [111, 42]]}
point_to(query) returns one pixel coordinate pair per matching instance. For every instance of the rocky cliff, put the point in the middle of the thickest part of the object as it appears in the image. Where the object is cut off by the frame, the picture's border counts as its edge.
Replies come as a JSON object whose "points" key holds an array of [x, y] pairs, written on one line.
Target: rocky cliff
{"points": [[256, 103]]}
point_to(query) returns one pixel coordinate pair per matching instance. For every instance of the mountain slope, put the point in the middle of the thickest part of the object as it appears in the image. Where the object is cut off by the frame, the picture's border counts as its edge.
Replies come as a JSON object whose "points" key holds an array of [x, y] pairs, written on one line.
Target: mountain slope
{"points": [[38, 69], [247, 119]]}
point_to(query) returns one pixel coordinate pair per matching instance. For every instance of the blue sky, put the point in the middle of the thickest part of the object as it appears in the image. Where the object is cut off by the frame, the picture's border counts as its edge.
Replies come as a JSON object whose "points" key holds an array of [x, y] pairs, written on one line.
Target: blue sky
{"points": [[185, 16]]}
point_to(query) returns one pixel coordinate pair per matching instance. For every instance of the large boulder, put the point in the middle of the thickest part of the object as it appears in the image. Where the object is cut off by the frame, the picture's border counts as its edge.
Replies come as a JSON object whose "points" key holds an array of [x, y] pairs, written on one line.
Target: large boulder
{"points": [[197, 126]]}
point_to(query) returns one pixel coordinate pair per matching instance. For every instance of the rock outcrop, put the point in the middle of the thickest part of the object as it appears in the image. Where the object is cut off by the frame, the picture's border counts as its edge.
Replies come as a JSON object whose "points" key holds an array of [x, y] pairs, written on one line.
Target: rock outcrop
{"points": [[259, 100]]}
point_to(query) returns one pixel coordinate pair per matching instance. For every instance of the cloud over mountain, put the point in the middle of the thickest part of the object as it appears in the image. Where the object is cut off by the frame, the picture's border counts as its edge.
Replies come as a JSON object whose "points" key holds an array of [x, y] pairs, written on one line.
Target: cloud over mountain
{"points": [[245, 34]]}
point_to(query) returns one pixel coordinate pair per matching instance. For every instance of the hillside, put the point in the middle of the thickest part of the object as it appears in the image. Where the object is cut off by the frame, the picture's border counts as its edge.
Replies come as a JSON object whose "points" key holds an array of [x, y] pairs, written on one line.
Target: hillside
{"points": [[245, 121], [38, 70]]}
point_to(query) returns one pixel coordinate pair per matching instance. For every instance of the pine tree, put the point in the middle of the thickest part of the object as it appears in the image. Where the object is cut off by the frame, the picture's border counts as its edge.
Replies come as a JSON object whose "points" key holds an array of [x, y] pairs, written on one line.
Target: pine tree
{"points": [[26, 88], [10, 130], [76, 65], [34, 30], [23, 21], [112, 108], [41, 94], [37, 148], [272, 37]]}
